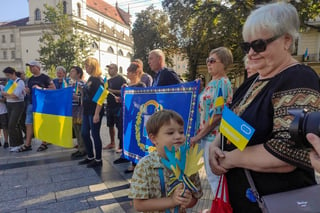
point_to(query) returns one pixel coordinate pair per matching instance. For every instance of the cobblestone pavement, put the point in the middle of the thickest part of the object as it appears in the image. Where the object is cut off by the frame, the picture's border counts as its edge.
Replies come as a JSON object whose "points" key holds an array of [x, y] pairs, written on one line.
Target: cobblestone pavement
{"points": [[50, 181]]}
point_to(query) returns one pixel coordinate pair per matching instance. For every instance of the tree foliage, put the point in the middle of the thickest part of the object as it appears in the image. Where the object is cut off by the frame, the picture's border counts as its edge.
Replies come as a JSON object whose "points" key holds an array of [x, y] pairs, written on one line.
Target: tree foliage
{"points": [[62, 42], [151, 30], [204, 25]]}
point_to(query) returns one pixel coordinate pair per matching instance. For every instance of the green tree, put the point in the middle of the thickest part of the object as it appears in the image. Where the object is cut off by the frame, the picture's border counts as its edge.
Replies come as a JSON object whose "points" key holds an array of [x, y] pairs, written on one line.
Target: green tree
{"points": [[62, 42], [151, 30], [204, 25]]}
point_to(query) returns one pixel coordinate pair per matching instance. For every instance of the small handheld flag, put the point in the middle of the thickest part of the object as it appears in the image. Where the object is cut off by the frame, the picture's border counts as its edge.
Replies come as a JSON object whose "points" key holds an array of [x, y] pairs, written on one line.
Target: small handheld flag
{"points": [[105, 83], [236, 130], [219, 102], [10, 87], [64, 83], [76, 89], [100, 95], [305, 55]]}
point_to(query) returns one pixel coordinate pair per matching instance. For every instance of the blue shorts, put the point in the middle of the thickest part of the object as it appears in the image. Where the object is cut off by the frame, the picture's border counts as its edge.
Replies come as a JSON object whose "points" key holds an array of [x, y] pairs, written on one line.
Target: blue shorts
{"points": [[29, 115]]}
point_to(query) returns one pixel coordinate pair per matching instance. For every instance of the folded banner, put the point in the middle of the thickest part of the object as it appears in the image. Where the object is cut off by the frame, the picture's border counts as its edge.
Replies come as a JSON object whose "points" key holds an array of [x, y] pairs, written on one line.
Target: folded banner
{"points": [[235, 129], [140, 103], [52, 113]]}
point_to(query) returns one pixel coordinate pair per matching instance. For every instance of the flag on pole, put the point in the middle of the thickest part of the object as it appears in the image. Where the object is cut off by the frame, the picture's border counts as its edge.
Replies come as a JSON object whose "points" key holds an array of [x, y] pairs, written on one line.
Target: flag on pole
{"points": [[105, 83], [64, 83], [52, 114], [236, 130], [219, 102], [10, 86], [100, 95], [76, 89]]}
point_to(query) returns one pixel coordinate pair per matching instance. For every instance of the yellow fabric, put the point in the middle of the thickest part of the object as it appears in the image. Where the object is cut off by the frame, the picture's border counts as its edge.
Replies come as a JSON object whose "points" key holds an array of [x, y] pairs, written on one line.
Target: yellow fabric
{"points": [[236, 138], [53, 129], [12, 88]]}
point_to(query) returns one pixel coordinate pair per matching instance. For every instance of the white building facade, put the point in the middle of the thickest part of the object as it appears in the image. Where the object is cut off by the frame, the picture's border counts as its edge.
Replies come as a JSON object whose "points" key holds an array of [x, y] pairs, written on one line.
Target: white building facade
{"points": [[19, 40]]}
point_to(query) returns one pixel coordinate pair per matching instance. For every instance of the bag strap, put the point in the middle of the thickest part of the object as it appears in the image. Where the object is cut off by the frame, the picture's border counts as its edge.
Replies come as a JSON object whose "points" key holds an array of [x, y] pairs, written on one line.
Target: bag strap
{"points": [[255, 191], [226, 188], [163, 190]]}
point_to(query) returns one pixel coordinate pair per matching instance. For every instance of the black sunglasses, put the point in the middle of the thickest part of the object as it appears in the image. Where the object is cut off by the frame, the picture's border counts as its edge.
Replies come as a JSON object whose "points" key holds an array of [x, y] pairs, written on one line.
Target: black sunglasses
{"points": [[259, 45], [211, 60]]}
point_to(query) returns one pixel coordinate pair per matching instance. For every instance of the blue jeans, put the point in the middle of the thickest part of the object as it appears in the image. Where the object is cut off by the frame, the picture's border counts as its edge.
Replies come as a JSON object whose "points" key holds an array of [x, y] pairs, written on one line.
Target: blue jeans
{"points": [[87, 127]]}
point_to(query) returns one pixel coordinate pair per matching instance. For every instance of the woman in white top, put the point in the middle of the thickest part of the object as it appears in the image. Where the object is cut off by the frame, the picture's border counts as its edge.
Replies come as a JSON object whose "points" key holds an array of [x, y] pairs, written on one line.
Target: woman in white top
{"points": [[15, 106]]}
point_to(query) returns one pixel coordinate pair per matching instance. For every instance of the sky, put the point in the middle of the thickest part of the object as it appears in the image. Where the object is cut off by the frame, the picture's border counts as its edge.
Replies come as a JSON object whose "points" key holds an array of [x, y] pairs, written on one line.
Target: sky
{"points": [[11, 10]]}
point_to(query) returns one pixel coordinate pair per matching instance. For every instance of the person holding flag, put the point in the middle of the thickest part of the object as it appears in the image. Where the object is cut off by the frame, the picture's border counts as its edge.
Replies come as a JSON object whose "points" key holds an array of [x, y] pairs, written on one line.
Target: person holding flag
{"points": [[92, 114], [14, 94], [76, 74], [210, 104], [276, 162], [40, 81], [60, 81]]}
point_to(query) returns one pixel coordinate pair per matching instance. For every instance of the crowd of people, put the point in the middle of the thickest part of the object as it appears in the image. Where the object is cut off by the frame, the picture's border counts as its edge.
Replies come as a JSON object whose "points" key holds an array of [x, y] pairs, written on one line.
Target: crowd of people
{"points": [[275, 83]]}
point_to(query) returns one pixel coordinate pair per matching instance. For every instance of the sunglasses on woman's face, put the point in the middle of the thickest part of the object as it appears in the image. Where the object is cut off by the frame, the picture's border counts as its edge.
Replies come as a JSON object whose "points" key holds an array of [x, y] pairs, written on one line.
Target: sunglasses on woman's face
{"points": [[211, 60], [259, 45]]}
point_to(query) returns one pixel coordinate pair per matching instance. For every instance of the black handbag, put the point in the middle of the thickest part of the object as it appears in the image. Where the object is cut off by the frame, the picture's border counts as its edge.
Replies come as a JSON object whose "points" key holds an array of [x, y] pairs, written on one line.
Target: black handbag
{"points": [[303, 200]]}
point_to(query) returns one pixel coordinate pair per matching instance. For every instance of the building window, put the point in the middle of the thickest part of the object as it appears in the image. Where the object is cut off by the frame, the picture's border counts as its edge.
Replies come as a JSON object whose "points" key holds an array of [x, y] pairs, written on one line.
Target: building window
{"points": [[3, 39], [129, 55], [13, 54], [5, 54], [64, 7], [37, 14], [121, 70], [120, 53], [95, 45], [11, 38], [79, 10], [110, 50]]}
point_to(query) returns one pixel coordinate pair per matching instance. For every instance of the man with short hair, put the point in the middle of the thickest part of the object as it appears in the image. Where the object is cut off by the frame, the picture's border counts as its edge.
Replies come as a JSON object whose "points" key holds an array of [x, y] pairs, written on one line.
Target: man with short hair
{"points": [[40, 81], [164, 76], [113, 108]]}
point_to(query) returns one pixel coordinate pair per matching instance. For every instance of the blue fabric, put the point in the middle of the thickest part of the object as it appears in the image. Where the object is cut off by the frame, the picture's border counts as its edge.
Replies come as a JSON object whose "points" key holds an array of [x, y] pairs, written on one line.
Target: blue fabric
{"points": [[141, 103], [94, 128]]}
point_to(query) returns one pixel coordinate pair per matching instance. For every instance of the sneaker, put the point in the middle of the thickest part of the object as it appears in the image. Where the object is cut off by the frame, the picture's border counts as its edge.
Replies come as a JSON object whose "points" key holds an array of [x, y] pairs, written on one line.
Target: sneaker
{"points": [[121, 160], [14, 149], [85, 161], [78, 154], [6, 145], [94, 164]]}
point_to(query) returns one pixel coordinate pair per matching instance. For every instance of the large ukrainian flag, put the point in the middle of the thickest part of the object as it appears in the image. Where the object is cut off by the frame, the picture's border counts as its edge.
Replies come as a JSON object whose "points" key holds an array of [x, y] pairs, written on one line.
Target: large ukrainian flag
{"points": [[52, 113]]}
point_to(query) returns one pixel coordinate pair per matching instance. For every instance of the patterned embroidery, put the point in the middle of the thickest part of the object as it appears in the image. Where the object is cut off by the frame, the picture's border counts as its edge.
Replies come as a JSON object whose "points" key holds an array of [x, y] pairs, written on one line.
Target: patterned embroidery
{"points": [[282, 146]]}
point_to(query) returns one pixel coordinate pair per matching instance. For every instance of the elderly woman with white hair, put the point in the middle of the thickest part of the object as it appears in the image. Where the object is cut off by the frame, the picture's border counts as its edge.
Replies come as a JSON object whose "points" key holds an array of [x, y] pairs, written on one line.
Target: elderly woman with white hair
{"points": [[276, 161], [61, 77]]}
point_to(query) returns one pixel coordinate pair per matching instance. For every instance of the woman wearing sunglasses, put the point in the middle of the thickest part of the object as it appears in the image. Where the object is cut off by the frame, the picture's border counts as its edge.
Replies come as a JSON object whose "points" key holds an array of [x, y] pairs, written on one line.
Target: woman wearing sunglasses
{"points": [[276, 162], [209, 110]]}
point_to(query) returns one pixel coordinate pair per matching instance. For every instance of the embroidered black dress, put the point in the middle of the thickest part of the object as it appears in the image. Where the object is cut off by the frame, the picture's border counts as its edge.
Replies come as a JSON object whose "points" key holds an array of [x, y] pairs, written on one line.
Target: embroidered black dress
{"points": [[266, 109]]}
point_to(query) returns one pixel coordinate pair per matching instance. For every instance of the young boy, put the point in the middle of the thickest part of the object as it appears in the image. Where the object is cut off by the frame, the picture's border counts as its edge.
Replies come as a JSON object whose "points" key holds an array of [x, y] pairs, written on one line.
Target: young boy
{"points": [[165, 128]]}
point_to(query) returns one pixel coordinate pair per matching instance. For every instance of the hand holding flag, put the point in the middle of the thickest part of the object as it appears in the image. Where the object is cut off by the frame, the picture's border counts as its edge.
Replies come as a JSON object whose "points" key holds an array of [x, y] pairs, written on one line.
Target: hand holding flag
{"points": [[236, 130]]}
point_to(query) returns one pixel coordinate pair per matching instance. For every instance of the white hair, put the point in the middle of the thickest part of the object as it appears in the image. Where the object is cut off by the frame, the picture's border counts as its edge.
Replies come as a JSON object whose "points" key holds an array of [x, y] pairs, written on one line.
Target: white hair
{"points": [[276, 18], [61, 68], [159, 53]]}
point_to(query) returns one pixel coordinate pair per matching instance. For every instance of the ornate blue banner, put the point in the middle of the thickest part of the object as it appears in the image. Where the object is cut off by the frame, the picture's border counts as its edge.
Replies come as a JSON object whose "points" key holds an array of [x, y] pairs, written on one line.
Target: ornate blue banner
{"points": [[140, 103]]}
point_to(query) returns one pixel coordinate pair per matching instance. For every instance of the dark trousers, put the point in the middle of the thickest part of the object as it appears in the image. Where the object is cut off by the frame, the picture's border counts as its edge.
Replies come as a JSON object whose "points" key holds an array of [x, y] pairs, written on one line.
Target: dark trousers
{"points": [[15, 111], [94, 128]]}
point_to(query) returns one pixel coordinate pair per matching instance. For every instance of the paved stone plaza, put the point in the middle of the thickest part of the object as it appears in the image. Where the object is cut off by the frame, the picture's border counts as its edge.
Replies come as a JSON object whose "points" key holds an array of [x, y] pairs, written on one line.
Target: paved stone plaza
{"points": [[51, 181]]}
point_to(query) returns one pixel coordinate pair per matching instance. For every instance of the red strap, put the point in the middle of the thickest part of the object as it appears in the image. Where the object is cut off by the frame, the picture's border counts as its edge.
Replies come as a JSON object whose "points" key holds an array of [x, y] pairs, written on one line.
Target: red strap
{"points": [[225, 186], [218, 189]]}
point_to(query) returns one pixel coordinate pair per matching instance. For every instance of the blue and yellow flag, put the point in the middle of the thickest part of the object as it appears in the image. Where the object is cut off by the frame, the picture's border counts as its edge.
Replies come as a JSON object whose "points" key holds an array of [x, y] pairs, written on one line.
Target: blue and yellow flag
{"points": [[105, 83], [64, 83], [76, 89], [219, 102], [236, 130], [10, 87], [52, 114], [140, 103], [100, 95]]}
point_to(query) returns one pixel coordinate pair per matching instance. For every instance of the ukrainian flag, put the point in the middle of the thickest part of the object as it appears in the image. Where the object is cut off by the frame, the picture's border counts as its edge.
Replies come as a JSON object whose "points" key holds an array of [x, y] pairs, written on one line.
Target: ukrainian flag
{"points": [[105, 83], [219, 102], [10, 87], [236, 130], [100, 95], [52, 114], [64, 83]]}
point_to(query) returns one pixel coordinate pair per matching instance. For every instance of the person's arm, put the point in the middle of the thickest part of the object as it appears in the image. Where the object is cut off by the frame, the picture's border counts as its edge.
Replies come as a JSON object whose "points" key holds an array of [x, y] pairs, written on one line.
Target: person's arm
{"points": [[315, 154], [51, 86], [96, 117], [208, 127]]}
